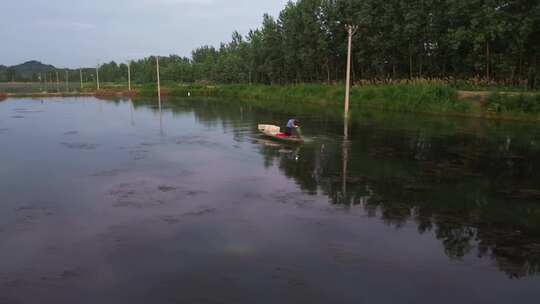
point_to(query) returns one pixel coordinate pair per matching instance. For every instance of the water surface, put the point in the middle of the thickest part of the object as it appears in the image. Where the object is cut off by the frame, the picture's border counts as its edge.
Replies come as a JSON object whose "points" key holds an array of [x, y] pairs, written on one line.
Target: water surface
{"points": [[117, 202]]}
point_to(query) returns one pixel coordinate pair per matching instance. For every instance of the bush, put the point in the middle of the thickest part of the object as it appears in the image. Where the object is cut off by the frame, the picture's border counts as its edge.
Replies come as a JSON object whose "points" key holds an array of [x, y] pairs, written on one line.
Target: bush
{"points": [[517, 103]]}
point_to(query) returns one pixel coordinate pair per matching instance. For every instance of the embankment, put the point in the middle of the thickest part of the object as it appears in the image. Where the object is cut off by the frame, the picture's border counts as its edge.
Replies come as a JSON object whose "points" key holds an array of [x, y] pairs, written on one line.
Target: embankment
{"points": [[100, 94], [436, 99]]}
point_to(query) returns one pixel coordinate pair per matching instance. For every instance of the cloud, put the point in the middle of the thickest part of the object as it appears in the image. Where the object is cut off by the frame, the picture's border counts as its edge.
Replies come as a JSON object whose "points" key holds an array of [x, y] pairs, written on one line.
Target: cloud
{"points": [[177, 2], [65, 25], [65, 33], [82, 26]]}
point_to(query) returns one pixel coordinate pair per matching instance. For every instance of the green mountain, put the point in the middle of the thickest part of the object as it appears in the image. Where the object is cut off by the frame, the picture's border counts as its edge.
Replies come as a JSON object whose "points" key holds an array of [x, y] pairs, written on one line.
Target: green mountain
{"points": [[30, 68]]}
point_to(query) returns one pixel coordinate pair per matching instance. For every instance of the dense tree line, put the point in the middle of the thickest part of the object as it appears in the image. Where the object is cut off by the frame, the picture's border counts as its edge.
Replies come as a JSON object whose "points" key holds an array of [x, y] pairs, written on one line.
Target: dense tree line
{"points": [[496, 40], [490, 39]]}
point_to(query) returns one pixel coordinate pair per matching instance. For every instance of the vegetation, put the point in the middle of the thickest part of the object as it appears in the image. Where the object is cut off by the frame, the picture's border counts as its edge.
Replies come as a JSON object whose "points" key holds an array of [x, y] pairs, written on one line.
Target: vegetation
{"points": [[486, 42], [28, 71], [299, 57], [420, 97], [516, 103], [416, 97]]}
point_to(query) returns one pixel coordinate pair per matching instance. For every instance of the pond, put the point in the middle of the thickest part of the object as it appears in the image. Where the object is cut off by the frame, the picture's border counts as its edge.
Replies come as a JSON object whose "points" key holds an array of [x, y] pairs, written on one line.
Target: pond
{"points": [[118, 202]]}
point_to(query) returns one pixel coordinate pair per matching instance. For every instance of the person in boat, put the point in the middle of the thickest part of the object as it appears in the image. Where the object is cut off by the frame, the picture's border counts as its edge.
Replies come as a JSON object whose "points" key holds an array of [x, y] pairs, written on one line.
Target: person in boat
{"points": [[292, 125]]}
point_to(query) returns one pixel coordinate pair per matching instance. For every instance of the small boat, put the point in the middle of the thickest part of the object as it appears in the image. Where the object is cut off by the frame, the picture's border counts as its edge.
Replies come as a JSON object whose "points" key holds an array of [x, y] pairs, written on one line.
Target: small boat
{"points": [[274, 132]]}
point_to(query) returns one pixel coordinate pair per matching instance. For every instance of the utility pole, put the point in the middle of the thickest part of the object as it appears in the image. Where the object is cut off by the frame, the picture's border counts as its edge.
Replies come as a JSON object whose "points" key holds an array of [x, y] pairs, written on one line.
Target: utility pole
{"points": [[57, 83], [80, 75], [351, 30], [129, 75], [158, 83], [97, 76], [67, 80]]}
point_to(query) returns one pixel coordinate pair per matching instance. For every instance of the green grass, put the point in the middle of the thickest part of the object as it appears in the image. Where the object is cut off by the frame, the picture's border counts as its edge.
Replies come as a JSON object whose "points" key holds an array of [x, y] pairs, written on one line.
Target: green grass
{"points": [[416, 97], [410, 98], [401, 97], [514, 103]]}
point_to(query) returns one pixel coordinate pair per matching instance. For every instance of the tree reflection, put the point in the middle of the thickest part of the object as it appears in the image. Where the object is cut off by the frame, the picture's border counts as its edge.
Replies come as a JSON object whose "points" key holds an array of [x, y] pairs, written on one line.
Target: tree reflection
{"points": [[454, 187], [473, 185]]}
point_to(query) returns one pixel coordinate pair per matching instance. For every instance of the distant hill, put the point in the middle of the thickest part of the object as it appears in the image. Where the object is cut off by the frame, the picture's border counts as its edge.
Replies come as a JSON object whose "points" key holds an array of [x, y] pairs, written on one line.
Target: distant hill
{"points": [[29, 68], [25, 71]]}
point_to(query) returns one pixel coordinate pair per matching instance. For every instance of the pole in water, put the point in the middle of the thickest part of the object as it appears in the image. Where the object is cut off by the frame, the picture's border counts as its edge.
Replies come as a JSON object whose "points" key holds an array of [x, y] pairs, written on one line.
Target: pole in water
{"points": [[129, 75], [131, 119], [97, 77], [345, 156], [158, 82]]}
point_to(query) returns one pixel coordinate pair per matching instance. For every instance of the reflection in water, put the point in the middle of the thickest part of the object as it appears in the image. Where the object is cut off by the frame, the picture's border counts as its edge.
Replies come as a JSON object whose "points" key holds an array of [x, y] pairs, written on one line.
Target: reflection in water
{"points": [[474, 189], [161, 121], [131, 117], [452, 186], [464, 192], [345, 156]]}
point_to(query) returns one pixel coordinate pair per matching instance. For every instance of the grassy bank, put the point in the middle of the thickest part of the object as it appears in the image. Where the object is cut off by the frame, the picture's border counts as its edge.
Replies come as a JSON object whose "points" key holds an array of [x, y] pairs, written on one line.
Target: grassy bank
{"points": [[402, 98], [519, 104], [432, 98], [438, 99]]}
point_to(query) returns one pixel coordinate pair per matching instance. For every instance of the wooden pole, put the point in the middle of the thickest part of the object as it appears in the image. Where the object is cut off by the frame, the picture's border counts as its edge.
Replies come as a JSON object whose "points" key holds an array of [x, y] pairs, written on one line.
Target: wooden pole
{"points": [[351, 31], [80, 76], [97, 76], [67, 80], [129, 75], [158, 82], [57, 83]]}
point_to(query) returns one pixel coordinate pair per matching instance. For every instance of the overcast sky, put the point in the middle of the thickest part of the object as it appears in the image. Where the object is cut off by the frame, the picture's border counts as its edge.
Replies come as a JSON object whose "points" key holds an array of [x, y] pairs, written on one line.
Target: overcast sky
{"points": [[73, 33]]}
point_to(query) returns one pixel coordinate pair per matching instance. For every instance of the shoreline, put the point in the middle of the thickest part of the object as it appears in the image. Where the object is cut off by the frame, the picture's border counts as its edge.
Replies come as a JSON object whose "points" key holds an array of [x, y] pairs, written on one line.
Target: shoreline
{"points": [[102, 93], [425, 100]]}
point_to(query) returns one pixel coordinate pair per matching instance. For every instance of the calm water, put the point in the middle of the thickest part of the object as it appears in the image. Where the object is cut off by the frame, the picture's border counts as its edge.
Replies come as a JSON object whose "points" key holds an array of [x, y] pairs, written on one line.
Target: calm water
{"points": [[115, 202]]}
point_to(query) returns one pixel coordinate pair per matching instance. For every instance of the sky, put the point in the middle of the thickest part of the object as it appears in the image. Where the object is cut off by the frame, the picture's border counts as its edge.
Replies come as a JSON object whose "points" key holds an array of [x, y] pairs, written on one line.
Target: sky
{"points": [[75, 33]]}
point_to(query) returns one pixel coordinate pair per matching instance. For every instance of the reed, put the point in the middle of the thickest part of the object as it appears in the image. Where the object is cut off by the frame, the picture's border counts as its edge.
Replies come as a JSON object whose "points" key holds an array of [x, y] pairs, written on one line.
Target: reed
{"points": [[403, 97], [434, 96], [523, 103]]}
